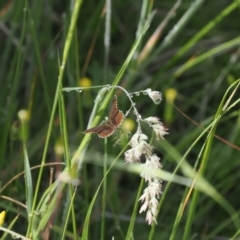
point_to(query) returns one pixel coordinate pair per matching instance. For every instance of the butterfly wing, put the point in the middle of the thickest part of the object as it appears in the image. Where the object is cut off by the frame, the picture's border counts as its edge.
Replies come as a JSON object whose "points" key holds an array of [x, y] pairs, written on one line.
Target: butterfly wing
{"points": [[106, 131], [118, 119], [115, 116], [96, 129], [114, 109], [102, 130]]}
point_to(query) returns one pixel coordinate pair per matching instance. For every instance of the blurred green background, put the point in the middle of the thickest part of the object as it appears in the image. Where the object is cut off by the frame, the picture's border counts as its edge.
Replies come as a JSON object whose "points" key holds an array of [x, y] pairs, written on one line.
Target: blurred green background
{"points": [[202, 35]]}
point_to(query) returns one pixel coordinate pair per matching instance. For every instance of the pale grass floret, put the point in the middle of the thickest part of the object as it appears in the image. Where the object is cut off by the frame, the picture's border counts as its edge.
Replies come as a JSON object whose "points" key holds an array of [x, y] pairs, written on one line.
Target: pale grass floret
{"points": [[154, 95], [139, 147], [151, 163], [150, 200], [152, 192], [157, 127]]}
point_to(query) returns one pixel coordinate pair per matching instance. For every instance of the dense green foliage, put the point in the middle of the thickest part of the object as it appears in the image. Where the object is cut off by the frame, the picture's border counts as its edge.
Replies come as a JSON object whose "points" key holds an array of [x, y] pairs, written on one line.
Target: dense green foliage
{"points": [[195, 55]]}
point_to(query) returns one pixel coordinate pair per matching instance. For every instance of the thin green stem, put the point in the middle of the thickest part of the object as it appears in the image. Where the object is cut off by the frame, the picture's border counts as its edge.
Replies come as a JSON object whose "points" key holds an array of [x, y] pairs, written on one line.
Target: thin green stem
{"points": [[107, 38], [104, 193], [134, 213]]}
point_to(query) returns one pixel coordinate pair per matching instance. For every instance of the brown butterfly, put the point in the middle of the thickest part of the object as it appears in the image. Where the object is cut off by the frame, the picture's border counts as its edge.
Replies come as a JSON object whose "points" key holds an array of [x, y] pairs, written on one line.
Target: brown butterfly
{"points": [[115, 119]]}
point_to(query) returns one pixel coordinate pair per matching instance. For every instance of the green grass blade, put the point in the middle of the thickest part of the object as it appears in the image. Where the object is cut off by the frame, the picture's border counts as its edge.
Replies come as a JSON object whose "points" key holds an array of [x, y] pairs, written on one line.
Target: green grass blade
{"points": [[15, 79], [39, 60], [134, 213], [178, 27], [74, 17], [223, 47], [28, 181], [205, 30], [47, 206], [70, 209], [104, 191]]}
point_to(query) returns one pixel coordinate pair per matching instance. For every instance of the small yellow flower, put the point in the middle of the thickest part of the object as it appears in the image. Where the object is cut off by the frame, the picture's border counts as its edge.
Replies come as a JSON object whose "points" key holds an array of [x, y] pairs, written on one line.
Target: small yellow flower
{"points": [[2, 217], [23, 115], [171, 95], [85, 82], [128, 125]]}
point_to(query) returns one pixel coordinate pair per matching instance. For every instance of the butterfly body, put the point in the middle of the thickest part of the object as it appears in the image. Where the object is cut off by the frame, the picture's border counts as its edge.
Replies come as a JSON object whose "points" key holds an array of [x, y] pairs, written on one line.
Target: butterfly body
{"points": [[115, 119]]}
